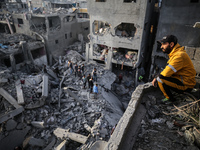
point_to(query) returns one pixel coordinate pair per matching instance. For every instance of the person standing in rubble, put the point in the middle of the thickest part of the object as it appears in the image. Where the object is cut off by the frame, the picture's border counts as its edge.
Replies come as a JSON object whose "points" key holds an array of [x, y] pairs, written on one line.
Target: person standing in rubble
{"points": [[120, 78], [91, 84], [94, 74], [76, 69], [95, 90], [84, 81], [82, 68], [79, 72], [70, 65], [179, 74], [88, 79]]}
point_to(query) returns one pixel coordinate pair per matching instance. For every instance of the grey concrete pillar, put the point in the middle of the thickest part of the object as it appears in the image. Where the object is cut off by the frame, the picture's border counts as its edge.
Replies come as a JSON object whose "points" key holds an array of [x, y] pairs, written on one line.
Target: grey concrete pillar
{"points": [[13, 62], [109, 59], [87, 52], [24, 49]]}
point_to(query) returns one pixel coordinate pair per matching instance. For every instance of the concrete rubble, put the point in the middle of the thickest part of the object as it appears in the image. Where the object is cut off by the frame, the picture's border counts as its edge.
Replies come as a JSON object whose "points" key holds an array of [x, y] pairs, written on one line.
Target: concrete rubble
{"points": [[55, 108]]}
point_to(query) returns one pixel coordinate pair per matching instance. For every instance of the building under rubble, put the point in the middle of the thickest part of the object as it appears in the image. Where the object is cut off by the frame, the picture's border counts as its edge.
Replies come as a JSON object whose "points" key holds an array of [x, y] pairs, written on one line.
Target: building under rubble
{"points": [[119, 32], [53, 23]]}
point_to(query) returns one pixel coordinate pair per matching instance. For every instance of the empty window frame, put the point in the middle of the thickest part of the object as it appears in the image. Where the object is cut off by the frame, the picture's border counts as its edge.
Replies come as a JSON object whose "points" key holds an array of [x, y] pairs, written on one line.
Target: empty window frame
{"points": [[56, 41], [20, 21], [100, 27], [71, 34], [66, 36], [125, 30], [129, 1], [100, 0]]}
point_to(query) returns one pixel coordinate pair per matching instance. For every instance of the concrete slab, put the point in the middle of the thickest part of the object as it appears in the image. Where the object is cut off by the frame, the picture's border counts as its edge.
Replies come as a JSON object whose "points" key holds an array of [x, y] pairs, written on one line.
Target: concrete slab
{"points": [[20, 96], [15, 138], [45, 90], [73, 95], [63, 133], [9, 98], [11, 114]]}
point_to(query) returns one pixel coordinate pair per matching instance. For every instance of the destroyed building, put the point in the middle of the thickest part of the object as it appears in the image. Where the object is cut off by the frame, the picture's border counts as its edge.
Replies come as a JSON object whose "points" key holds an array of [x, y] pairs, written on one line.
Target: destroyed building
{"points": [[119, 33], [47, 107], [55, 24]]}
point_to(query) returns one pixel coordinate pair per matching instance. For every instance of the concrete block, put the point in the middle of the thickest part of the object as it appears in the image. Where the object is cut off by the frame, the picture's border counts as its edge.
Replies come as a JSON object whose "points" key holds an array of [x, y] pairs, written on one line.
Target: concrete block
{"points": [[45, 90], [197, 54], [20, 96], [190, 51], [196, 64], [62, 133]]}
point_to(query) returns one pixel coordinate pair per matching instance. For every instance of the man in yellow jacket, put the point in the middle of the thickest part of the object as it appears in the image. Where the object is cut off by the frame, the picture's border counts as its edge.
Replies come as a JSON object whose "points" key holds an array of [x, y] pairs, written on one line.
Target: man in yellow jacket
{"points": [[179, 74]]}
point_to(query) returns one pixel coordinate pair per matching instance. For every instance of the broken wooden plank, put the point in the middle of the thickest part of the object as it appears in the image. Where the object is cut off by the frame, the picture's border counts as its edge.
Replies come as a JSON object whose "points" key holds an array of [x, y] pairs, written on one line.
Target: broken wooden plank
{"points": [[9, 98], [11, 114], [45, 90], [63, 133], [20, 96], [73, 95]]}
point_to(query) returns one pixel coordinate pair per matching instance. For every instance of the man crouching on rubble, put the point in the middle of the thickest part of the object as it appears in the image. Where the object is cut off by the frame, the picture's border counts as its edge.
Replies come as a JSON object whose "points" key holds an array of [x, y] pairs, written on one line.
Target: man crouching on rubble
{"points": [[179, 74]]}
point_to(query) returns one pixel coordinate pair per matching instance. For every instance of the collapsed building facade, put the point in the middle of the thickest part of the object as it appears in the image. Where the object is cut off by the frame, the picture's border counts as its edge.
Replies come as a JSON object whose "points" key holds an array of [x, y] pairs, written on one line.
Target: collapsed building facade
{"points": [[54, 23], [119, 32]]}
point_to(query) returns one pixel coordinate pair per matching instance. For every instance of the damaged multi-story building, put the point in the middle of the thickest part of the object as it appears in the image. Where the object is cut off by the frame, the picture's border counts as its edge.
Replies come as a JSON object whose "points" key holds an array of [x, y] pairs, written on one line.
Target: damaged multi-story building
{"points": [[120, 32], [54, 23]]}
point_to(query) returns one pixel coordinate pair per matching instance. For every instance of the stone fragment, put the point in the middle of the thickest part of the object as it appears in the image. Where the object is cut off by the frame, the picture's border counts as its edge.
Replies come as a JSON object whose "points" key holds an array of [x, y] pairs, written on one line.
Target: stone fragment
{"points": [[45, 86], [20, 96], [62, 133], [11, 124], [37, 124]]}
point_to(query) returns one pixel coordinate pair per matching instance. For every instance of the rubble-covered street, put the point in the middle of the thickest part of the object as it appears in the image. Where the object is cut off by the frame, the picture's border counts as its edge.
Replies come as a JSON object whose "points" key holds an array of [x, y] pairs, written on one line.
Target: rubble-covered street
{"points": [[47, 108]]}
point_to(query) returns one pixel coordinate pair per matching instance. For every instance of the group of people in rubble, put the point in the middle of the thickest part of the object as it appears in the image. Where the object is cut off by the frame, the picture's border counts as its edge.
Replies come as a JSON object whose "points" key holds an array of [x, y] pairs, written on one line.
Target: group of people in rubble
{"points": [[90, 78]]}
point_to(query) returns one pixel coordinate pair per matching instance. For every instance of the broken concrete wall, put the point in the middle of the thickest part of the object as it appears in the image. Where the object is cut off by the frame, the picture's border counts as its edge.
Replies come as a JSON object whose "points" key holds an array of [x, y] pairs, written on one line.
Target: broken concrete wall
{"points": [[58, 40], [21, 23], [122, 137]]}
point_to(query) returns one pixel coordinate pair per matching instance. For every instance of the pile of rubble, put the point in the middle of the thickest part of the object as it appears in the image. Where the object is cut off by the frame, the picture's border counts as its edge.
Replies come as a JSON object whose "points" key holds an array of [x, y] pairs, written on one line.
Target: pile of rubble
{"points": [[51, 109], [161, 129]]}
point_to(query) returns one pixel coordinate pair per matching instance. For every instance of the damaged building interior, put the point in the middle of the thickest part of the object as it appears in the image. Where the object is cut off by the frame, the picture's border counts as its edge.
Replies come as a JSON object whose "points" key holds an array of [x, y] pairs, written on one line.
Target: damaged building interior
{"points": [[52, 52]]}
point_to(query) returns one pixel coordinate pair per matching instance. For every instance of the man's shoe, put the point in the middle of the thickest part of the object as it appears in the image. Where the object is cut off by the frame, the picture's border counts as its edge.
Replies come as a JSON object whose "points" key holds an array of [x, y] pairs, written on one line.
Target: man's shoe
{"points": [[165, 100]]}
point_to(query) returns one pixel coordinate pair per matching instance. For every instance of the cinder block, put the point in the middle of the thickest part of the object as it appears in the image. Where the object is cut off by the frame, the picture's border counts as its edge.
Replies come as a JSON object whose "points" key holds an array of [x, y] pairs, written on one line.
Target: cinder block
{"points": [[190, 51], [196, 64], [197, 54]]}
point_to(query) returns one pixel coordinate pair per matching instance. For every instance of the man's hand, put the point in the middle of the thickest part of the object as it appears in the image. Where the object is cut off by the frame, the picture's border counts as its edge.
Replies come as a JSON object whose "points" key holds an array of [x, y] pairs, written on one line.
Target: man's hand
{"points": [[154, 82]]}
